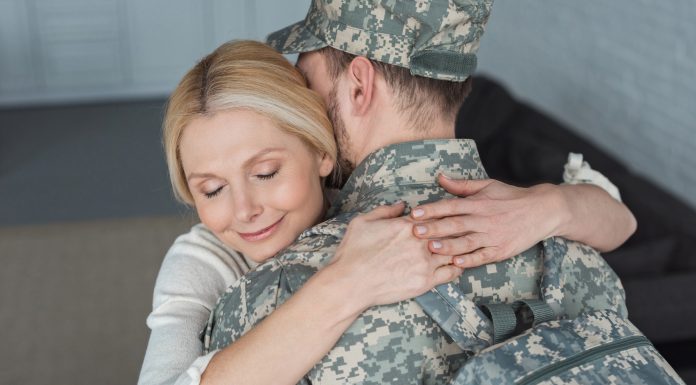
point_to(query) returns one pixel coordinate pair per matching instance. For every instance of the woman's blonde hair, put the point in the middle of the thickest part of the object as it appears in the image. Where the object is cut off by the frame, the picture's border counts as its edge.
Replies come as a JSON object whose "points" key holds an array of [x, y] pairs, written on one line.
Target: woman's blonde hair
{"points": [[244, 75]]}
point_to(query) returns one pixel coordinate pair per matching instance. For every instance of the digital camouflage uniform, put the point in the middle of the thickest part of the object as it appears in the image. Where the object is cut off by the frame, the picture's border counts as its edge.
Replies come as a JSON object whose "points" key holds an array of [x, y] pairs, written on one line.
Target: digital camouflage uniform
{"points": [[424, 340]]}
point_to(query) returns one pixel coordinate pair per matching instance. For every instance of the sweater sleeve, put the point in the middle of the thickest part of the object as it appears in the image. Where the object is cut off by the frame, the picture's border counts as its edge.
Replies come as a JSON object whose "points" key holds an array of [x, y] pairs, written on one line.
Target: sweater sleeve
{"points": [[194, 274], [577, 171]]}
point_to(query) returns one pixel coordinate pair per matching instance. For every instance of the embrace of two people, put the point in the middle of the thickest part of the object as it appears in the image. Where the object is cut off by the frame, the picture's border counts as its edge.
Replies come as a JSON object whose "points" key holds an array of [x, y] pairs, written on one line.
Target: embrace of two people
{"points": [[289, 281]]}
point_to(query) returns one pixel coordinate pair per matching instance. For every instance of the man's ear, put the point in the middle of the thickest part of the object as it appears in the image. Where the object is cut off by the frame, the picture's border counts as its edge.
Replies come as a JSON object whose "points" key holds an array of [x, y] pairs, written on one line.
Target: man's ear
{"points": [[361, 77]]}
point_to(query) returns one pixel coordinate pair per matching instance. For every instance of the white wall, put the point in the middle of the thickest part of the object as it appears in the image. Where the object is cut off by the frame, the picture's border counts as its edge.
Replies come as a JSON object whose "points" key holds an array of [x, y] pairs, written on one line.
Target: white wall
{"points": [[621, 72], [65, 51]]}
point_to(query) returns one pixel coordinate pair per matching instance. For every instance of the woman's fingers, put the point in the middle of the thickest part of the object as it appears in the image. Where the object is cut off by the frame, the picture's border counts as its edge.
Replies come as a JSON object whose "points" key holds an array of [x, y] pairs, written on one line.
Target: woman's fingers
{"points": [[463, 187], [447, 273], [477, 258], [456, 206], [384, 212], [464, 244], [450, 226], [438, 260], [443, 208]]}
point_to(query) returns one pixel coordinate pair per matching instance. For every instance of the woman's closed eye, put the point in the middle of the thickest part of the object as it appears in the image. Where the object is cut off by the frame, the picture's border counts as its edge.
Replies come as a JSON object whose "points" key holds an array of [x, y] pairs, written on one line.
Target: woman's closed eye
{"points": [[213, 193], [267, 176]]}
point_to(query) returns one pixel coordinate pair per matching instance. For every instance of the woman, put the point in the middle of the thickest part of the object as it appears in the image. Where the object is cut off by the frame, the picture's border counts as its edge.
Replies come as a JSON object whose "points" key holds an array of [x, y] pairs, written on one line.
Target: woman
{"points": [[248, 145]]}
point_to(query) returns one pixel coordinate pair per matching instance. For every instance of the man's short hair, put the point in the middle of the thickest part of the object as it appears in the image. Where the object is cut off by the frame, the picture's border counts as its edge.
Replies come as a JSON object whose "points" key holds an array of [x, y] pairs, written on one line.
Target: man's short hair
{"points": [[424, 99]]}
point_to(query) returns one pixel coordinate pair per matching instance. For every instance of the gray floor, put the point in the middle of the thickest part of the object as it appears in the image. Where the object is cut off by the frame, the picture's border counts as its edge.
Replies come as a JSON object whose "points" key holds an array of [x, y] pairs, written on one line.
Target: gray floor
{"points": [[85, 162]]}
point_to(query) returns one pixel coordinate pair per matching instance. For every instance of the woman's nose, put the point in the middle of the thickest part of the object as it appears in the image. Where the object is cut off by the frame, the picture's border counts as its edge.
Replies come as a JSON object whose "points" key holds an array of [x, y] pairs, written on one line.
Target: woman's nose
{"points": [[246, 205]]}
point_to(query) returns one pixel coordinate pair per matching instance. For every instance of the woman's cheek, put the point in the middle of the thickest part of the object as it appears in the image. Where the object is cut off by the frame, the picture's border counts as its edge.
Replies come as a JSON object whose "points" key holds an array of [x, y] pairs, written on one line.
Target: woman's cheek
{"points": [[294, 192], [214, 216]]}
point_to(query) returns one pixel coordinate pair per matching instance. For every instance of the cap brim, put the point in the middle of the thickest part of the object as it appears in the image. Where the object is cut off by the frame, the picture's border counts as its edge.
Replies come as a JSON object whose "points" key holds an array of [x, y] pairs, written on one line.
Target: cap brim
{"points": [[295, 39]]}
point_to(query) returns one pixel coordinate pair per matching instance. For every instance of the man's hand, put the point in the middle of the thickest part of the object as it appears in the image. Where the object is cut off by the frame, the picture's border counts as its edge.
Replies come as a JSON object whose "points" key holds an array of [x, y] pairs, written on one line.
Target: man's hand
{"points": [[492, 221]]}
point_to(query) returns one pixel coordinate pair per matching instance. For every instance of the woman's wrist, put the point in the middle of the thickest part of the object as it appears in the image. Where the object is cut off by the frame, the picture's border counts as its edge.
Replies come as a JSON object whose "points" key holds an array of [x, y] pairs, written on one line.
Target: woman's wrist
{"points": [[578, 209], [593, 217], [336, 292], [556, 203]]}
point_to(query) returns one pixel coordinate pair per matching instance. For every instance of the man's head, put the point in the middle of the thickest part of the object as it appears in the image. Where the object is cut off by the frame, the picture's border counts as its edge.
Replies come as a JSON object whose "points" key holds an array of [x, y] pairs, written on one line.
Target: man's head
{"points": [[411, 58]]}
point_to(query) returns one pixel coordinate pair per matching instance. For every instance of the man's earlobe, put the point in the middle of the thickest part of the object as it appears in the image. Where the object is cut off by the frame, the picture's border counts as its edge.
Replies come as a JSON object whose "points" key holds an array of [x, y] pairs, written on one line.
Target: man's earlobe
{"points": [[361, 72]]}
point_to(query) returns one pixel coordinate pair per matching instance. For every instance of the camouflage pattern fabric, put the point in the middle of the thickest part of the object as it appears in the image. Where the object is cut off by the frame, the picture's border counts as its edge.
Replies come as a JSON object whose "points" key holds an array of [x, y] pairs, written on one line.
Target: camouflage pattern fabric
{"points": [[433, 38], [591, 342], [599, 347], [425, 340]]}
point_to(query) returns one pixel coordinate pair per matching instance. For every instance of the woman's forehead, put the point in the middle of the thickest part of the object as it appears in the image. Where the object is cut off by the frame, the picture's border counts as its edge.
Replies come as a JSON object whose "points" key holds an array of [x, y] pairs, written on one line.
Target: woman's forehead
{"points": [[235, 138]]}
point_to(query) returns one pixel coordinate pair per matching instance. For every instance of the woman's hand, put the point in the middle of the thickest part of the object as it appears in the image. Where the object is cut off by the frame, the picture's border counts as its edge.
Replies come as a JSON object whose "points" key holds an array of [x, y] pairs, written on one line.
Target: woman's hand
{"points": [[385, 263], [495, 221]]}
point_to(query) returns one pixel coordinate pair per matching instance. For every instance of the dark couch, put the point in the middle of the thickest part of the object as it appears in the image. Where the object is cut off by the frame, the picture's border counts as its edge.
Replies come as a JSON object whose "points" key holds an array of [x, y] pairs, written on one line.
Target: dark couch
{"points": [[522, 146]]}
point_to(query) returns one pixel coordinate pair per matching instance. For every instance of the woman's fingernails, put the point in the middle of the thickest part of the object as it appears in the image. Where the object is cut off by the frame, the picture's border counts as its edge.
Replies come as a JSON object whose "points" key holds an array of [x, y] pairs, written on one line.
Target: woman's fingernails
{"points": [[417, 213], [437, 244], [420, 230], [458, 260]]}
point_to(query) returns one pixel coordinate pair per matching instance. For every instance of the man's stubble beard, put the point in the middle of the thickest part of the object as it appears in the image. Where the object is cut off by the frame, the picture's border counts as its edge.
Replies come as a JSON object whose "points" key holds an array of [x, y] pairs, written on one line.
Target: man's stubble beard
{"points": [[346, 167]]}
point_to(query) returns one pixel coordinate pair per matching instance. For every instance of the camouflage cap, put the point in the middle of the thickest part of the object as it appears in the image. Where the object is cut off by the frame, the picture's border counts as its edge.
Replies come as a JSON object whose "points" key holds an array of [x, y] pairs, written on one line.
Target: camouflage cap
{"points": [[433, 38]]}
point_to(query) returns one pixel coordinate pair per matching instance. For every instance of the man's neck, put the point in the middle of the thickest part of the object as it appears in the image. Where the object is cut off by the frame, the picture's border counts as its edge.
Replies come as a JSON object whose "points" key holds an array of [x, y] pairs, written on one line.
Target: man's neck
{"points": [[396, 129], [410, 168]]}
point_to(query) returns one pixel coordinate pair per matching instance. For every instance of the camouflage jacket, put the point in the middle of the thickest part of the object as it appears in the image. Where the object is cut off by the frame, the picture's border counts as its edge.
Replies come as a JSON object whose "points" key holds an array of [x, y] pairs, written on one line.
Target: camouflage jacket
{"points": [[423, 340]]}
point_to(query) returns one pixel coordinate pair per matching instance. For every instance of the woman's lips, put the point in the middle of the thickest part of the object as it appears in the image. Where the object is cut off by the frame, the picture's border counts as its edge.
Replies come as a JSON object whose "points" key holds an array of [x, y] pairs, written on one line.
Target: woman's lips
{"points": [[262, 234]]}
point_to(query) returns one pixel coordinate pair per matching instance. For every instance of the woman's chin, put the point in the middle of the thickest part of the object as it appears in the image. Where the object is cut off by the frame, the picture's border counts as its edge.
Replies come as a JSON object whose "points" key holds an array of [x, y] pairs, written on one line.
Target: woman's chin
{"points": [[261, 256]]}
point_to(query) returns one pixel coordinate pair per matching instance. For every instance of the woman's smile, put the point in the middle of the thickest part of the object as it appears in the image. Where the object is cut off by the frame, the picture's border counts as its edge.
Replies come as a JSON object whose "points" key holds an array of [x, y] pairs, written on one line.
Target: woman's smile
{"points": [[261, 234]]}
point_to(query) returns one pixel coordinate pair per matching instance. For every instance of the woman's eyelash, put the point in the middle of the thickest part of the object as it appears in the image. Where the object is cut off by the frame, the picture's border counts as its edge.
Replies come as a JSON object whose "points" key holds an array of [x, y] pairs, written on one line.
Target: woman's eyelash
{"points": [[213, 193], [267, 176]]}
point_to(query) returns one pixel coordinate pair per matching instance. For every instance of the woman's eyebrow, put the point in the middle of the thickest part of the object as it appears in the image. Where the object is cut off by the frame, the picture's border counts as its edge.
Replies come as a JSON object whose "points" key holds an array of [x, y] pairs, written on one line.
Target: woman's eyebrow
{"points": [[246, 163], [200, 175], [260, 154]]}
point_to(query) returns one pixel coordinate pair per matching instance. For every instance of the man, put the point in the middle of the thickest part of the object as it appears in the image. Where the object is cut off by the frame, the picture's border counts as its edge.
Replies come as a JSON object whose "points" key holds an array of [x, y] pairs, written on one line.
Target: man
{"points": [[597, 219], [395, 132]]}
